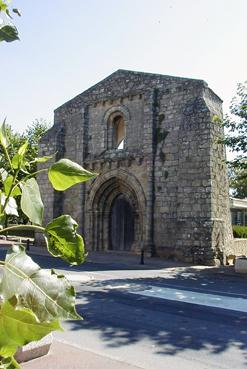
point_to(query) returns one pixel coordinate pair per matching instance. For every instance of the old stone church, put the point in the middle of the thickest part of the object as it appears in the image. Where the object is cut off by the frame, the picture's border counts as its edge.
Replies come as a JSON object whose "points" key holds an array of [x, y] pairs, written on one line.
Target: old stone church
{"points": [[162, 182]]}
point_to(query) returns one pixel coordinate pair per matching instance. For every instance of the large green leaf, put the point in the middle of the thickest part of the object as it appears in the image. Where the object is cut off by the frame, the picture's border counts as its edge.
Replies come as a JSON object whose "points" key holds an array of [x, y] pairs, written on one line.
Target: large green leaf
{"points": [[63, 241], [3, 135], [65, 173], [8, 33], [15, 161], [19, 327], [31, 203], [48, 295], [19, 156]]}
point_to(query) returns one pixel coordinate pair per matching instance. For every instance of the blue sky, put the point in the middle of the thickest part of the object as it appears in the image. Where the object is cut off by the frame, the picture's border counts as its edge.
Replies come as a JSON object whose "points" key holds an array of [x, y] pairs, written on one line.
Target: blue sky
{"points": [[67, 46]]}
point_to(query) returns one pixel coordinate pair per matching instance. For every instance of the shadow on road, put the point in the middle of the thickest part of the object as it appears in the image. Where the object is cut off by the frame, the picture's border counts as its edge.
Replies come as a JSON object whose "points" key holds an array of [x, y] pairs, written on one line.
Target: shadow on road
{"points": [[122, 318]]}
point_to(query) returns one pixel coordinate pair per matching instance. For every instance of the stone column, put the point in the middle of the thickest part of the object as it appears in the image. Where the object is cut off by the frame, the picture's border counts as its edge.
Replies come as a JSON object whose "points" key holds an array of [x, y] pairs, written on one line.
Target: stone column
{"points": [[149, 150]]}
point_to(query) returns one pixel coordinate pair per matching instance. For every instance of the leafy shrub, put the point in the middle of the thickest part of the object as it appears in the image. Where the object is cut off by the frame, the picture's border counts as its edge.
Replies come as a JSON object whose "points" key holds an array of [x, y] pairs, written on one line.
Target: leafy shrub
{"points": [[239, 231]]}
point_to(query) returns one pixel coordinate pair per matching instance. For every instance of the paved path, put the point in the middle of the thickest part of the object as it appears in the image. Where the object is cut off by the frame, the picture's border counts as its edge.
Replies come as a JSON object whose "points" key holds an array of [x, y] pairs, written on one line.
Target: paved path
{"points": [[64, 356]]}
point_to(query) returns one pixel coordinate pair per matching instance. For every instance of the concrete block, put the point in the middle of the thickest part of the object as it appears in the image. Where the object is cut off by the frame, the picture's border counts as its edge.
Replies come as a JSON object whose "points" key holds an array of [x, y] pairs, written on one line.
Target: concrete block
{"points": [[241, 265], [34, 349]]}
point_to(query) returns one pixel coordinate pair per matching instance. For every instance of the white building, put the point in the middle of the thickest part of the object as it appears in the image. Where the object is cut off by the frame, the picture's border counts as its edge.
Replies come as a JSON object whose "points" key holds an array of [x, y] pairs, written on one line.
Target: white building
{"points": [[238, 211]]}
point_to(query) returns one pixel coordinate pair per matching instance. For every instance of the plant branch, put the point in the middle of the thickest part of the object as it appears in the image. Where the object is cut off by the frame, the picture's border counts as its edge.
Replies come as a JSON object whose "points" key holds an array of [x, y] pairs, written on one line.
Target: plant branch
{"points": [[28, 176], [7, 157], [10, 191], [34, 174], [22, 227]]}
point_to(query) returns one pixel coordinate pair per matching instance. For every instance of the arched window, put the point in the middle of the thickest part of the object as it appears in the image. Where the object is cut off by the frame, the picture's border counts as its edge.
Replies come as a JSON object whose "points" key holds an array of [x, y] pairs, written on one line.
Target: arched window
{"points": [[118, 133]]}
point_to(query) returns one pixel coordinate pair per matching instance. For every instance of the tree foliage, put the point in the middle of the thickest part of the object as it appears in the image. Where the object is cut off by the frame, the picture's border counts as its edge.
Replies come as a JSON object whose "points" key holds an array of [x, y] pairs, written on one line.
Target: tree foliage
{"points": [[236, 140], [29, 142], [32, 135], [238, 182], [236, 125]]}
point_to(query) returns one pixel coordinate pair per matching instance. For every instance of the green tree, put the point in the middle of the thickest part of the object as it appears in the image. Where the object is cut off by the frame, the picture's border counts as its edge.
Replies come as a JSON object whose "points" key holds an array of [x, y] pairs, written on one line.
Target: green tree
{"points": [[238, 182], [236, 125], [35, 131], [32, 135]]}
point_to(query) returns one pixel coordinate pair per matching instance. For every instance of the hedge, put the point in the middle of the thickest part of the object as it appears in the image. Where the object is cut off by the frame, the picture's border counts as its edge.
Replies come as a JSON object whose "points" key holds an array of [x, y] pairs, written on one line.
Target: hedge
{"points": [[239, 231]]}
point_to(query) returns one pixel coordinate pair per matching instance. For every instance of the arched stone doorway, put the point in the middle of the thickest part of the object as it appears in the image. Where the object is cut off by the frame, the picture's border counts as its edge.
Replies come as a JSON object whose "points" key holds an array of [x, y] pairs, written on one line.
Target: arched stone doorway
{"points": [[116, 209]]}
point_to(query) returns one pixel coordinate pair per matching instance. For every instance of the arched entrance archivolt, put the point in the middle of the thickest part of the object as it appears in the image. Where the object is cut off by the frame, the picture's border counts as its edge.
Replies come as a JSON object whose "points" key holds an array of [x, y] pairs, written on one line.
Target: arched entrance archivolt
{"points": [[116, 210]]}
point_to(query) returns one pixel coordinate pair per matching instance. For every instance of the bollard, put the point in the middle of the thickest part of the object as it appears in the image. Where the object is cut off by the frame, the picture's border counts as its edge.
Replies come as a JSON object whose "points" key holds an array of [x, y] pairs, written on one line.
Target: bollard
{"points": [[28, 245], [142, 257]]}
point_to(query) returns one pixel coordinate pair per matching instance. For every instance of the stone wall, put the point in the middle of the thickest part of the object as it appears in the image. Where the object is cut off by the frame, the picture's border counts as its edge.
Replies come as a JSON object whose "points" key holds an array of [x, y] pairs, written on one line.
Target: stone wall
{"points": [[239, 247]]}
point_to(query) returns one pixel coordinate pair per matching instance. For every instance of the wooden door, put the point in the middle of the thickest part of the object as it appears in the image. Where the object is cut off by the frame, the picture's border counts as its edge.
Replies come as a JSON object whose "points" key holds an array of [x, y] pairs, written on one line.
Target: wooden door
{"points": [[121, 225]]}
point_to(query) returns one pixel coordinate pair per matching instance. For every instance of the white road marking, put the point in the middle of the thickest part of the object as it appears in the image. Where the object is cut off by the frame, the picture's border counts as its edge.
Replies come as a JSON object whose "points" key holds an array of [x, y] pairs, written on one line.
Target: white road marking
{"points": [[198, 298]]}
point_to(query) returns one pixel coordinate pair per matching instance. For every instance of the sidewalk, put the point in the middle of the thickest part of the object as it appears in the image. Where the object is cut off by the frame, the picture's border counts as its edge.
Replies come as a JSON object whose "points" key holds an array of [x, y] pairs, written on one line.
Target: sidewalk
{"points": [[133, 261], [64, 356], [127, 260]]}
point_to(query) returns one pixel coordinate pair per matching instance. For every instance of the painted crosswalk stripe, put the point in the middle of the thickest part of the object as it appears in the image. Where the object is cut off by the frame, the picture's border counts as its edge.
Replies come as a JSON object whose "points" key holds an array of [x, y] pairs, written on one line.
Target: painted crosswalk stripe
{"points": [[198, 298]]}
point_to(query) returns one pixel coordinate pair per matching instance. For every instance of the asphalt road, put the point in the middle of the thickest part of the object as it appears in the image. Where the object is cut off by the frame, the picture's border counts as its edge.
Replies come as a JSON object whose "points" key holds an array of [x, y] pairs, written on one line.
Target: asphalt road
{"points": [[158, 318]]}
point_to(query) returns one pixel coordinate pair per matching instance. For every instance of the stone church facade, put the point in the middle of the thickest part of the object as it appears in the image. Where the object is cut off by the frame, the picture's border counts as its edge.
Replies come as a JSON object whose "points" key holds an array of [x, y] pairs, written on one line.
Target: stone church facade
{"points": [[162, 183]]}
